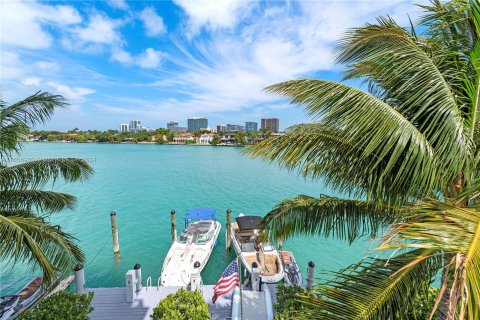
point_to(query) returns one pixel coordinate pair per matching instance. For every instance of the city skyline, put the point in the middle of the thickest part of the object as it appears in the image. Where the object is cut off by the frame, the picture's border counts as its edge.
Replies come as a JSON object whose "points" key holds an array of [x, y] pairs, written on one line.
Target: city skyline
{"points": [[161, 60], [175, 125]]}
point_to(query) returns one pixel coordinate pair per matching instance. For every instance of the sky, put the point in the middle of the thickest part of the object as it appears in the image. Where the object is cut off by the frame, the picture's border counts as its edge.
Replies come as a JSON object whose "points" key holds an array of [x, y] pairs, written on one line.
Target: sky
{"points": [[158, 61]]}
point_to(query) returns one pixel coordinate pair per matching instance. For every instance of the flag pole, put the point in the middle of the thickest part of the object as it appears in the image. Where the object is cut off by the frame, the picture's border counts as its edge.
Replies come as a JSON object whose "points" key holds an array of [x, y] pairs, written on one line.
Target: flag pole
{"points": [[239, 262]]}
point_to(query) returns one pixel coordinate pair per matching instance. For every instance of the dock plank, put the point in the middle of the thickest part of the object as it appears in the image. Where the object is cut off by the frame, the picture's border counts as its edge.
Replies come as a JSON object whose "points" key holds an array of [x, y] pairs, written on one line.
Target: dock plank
{"points": [[111, 303]]}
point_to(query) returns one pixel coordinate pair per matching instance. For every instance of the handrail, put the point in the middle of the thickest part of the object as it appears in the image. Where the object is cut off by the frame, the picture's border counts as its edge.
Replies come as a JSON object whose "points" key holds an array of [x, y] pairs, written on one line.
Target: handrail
{"points": [[149, 279], [158, 282]]}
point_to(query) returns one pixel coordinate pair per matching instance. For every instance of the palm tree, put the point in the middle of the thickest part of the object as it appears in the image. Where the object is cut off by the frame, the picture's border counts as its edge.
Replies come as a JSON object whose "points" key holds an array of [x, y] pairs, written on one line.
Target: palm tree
{"points": [[408, 154], [26, 234]]}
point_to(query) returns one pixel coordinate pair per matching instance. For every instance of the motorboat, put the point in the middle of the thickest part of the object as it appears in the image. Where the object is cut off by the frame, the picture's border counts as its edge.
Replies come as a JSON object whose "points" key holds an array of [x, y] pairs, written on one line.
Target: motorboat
{"points": [[11, 306], [192, 247], [291, 269], [30, 293], [7, 306], [246, 239]]}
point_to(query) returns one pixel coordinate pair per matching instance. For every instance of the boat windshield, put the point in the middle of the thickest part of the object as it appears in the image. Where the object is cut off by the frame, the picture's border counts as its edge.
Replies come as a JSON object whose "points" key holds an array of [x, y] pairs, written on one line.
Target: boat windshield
{"points": [[268, 246], [182, 237], [203, 238], [248, 247]]}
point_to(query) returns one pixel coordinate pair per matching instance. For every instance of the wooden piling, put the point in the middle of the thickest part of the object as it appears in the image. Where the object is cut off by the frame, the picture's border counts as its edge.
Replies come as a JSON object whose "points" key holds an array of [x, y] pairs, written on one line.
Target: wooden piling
{"points": [[116, 244], [173, 225], [229, 239]]}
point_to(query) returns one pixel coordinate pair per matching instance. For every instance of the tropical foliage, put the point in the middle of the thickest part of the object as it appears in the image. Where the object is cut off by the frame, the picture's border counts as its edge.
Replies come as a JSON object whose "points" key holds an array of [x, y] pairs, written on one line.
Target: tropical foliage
{"points": [[287, 305], [26, 234], [182, 305], [62, 305], [408, 154]]}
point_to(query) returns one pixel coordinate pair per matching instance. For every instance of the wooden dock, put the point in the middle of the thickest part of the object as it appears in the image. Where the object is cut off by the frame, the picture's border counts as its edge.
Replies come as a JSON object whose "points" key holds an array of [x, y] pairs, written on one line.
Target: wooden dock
{"points": [[111, 303], [61, 286]]}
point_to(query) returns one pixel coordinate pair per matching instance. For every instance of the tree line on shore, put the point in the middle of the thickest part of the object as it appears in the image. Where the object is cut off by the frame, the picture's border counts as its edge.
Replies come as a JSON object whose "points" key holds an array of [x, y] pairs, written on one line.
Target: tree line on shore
{"points": [[159, 136]]}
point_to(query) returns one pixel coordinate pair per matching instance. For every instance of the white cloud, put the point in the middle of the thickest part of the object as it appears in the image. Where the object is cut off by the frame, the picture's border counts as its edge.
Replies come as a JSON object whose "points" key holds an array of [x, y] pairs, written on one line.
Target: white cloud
{"points": [[75, 94], [118, 4], [152, 22], [100, 29], [10, 66], [227, 71], [23, 23], [121, 56], [47, 66], [149, 59], [31, 81], [214, 14]]}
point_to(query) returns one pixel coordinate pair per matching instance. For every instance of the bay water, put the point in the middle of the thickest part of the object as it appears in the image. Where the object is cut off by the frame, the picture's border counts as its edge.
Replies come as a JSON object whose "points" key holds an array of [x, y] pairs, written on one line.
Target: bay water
{"points": [[143, 183]]}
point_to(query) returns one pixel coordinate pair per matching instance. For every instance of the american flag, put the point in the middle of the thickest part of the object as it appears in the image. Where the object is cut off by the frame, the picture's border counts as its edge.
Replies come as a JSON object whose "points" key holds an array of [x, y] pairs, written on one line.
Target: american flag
{"points": [[227, 281]]}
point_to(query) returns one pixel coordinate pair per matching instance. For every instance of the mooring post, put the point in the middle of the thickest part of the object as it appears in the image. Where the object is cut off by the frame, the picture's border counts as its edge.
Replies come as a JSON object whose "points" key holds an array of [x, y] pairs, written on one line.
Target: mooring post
{"points": [[173, 226], [229, 239], [79, 279], [279, 243], [310, 274], [138, 276], [113, 220]]}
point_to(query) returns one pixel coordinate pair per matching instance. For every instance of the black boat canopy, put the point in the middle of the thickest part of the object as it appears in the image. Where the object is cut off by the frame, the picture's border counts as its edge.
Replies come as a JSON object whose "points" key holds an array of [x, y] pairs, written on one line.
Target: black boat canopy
{"points": [[249, 222]]}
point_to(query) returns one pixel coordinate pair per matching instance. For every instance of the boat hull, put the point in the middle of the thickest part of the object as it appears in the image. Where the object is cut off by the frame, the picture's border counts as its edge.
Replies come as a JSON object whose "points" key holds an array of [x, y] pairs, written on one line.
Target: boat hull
{"points": [[246, 257], [179, 263]]}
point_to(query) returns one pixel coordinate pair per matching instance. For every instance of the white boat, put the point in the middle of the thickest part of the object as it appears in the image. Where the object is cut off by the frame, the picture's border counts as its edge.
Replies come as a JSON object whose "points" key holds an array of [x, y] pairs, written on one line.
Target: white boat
{"points": [[291, 269], [244, 235], [7, 306], [12, 306], [194, 244]]}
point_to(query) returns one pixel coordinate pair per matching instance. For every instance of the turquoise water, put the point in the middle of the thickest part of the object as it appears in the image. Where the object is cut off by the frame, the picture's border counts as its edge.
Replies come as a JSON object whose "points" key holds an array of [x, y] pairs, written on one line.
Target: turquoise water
{"points": [[143, 183]]}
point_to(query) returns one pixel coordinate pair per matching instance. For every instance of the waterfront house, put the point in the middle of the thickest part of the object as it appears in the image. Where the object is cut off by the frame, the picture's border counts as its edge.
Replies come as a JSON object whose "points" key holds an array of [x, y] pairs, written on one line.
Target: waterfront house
{"points": [[206, 139], [228, 139], [184, 138]]}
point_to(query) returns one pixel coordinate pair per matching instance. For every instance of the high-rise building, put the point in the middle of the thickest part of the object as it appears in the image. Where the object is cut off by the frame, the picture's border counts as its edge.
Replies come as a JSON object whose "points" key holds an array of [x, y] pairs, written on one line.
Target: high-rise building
{"points": [[222, 128], [171, 125], [235, 128], [124, 127], [195, 124], [272, 123], [251, 126], [135, 126]]}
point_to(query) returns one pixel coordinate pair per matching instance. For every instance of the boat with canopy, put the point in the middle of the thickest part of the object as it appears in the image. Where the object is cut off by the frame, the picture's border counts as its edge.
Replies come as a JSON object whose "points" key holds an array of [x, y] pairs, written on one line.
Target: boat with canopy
{"points": [[192, 247], [250, 247]]}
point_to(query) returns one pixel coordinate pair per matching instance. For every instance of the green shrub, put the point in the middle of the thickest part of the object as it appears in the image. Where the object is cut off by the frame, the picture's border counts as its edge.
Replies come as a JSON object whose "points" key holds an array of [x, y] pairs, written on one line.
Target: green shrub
{"points": [[62, 305], [287, 302], [182, 305]]}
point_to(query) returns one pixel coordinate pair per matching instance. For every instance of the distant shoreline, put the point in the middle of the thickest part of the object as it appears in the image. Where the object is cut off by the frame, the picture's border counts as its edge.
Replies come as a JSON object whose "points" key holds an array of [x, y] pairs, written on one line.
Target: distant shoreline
{"points": [[142, 143]]}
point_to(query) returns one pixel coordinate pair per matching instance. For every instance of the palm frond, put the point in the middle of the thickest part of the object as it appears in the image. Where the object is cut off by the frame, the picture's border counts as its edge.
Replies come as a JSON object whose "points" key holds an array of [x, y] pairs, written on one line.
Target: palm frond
{"points": [[44, 201], [455, 231], [37, 173], [375, 289], [414, 84], [16, 118], [343, 219], [395, 157], [32, 240]]}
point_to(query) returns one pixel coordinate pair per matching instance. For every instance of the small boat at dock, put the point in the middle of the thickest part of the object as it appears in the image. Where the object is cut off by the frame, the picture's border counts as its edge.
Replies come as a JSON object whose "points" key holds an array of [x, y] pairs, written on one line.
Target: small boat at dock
{"points": [[11, 306], [193, 246], [291, 269], [7, 306], [244, 234]]}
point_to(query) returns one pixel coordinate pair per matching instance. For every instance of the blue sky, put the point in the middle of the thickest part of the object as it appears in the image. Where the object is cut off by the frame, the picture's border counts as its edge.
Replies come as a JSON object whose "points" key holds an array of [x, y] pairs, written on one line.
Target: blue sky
{"points": [[158, 61]]}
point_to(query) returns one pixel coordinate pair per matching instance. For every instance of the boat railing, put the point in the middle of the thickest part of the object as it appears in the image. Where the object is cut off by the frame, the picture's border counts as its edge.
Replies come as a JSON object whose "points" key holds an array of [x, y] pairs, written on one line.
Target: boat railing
{"points": [[158, 282]]}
